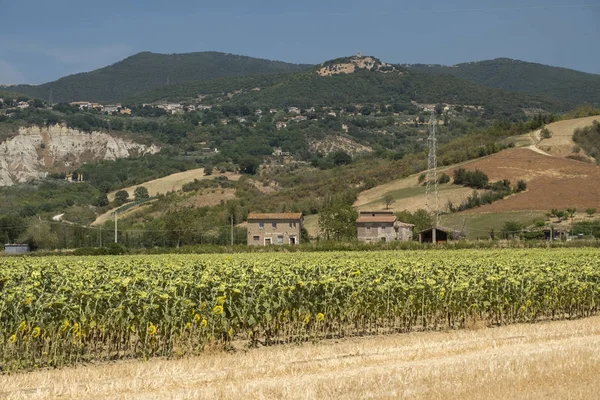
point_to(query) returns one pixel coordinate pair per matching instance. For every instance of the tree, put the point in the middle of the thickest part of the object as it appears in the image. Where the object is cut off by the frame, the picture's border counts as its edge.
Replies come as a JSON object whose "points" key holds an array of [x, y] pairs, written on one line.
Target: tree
{"points": [[388, 199], [590, 212], [560, 215], [208, 169], [337, 221], [11, 227], [511, 229], [341, 158], [304, 236], [39, 236], [121, 197], [421, 219], [249, 165], [177, 224], [571, 212], [141, 193], [101, 200]]}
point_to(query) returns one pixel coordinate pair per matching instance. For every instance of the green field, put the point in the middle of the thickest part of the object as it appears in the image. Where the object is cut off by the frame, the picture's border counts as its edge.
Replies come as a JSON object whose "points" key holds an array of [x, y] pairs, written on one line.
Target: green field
{"points": [[56, 311], [478, 226]]}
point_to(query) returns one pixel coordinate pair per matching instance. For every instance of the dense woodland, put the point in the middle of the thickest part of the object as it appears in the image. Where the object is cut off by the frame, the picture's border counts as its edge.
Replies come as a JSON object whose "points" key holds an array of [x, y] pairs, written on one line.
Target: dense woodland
{"points": [[147, 70], [519, 76]]}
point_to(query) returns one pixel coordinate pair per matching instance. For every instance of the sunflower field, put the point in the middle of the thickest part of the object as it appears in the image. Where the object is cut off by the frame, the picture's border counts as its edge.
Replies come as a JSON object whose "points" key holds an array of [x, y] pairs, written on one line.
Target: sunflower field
{"points": [[57, 311]]}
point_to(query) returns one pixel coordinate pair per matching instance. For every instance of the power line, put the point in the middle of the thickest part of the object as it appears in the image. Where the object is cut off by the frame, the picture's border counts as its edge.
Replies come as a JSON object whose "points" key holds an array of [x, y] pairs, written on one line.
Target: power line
{"points": [[432, 179]]}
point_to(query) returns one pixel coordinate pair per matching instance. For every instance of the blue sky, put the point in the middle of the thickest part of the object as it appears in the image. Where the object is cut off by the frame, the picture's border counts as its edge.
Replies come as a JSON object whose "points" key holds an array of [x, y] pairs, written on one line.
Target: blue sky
{"points": [[44, 40]]}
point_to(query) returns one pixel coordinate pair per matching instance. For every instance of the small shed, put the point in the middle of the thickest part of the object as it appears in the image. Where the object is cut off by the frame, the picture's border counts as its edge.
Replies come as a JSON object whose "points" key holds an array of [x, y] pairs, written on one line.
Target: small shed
{"points": [[16, 248], [437, 234], [555, 234]]}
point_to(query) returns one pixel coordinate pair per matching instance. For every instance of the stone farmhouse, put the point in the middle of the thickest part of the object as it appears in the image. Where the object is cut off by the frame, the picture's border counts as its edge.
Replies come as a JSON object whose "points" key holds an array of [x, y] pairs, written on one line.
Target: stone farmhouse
{"points": [[382, 226], [274, 229]]}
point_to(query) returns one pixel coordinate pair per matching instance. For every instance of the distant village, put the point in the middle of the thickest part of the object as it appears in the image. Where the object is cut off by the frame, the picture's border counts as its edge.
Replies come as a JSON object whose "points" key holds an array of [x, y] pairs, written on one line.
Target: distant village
{"points": [[282, 117]]}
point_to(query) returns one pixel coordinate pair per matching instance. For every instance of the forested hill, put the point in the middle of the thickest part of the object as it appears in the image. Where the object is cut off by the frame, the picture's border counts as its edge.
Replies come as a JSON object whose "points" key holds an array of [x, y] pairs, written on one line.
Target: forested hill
{"points": [[559, 83], [147, 70], [309, 88]]}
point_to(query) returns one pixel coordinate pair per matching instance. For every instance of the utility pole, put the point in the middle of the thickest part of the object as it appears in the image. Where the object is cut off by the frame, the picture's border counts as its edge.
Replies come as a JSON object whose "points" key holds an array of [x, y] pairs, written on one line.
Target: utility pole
{"points": [[432, 179], [232, 230], [115, 227]]}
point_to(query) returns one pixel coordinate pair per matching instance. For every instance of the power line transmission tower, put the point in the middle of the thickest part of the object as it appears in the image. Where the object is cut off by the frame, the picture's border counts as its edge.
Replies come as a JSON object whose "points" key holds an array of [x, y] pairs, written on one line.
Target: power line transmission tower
{"points": [[432, 204]]}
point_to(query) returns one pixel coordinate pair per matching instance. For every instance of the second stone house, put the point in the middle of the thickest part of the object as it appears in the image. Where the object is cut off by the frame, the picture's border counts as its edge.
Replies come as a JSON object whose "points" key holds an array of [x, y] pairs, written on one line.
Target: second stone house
{"points": [[382, 226]]}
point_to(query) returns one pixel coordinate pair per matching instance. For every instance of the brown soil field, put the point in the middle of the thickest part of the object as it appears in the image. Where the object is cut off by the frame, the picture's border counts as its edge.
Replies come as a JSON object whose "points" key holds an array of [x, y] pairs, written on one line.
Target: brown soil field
{"points": [[552, 182], [557, 360]]}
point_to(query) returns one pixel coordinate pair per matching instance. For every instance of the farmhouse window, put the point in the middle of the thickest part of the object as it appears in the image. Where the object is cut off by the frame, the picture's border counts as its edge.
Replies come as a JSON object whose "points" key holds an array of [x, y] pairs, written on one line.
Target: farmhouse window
{"points": [[280, 239], [274, 225], [256, 237], [261, 225]]}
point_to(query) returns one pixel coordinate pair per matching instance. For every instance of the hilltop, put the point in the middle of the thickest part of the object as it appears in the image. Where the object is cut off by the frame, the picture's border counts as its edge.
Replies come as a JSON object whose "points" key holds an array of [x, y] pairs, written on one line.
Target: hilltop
{"points": [[146, 70], [537, 79], [351, 81]]}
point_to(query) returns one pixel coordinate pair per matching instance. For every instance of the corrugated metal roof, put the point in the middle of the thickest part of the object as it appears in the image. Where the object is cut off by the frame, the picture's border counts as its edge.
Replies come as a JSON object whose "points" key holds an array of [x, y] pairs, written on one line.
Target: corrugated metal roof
{"points": [[440, 228], [274, 216], [378, 218]]}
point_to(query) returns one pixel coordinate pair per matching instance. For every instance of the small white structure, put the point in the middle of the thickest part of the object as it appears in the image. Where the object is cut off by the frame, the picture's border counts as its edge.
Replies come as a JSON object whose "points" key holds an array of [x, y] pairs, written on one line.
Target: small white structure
{"points": [[15, 249]]}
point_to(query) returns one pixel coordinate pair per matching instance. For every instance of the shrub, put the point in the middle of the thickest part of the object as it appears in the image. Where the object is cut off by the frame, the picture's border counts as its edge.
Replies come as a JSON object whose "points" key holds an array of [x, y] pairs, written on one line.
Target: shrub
{"points": [[475, 179], [521, 186], [444, 178], [546, 133]]}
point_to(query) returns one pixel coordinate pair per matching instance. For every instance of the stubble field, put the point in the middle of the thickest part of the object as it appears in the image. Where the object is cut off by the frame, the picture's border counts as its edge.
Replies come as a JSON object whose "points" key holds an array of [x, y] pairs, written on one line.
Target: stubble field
{"points": [[557, 360]]}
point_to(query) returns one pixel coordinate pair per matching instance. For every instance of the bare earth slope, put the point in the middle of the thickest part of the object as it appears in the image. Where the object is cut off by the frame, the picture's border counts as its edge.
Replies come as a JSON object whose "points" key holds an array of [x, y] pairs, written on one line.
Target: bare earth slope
{"points": [[552, 182], [35, 151], [558, 360]]}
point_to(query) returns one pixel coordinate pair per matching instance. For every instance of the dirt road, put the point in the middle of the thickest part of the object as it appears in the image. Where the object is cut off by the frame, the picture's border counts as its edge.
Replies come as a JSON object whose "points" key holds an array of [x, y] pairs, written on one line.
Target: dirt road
{"points": [[558, 360]]}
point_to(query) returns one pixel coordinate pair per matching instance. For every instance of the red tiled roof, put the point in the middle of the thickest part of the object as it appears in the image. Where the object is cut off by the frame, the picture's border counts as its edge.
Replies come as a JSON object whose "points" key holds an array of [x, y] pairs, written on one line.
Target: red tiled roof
{"points": [[274, 216], [377, 218], [378, 212]]}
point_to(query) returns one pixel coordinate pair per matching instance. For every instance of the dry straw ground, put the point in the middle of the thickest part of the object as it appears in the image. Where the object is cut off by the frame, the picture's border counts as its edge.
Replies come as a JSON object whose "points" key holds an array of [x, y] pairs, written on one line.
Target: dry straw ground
{"points": [[174, 182], [558, 360]]}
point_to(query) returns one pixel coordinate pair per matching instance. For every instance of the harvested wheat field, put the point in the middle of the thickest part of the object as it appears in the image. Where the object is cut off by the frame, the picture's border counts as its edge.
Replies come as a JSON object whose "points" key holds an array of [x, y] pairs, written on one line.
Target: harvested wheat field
{"points": [[558, 360], [561, 143], [552, 182], [174, 182]]}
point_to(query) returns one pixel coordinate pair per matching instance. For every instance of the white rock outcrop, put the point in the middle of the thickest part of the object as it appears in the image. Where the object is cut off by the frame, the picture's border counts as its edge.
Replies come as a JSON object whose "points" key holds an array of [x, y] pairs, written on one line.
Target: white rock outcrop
{"points": [[36, 150]]}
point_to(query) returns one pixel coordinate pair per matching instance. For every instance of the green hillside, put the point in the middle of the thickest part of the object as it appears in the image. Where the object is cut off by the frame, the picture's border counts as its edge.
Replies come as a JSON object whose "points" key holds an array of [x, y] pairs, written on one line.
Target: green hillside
{"points": [[147, 70], [560, 83], [307, 88]]}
